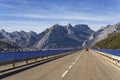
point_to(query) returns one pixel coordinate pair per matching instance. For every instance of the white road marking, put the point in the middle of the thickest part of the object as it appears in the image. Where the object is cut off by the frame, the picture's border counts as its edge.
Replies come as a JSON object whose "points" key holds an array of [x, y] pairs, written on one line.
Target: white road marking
{"points": [[64, 73], [71, 65]]}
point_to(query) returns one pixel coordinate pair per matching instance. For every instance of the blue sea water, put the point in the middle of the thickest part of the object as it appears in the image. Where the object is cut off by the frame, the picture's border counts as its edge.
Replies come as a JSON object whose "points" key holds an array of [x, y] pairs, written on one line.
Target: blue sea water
{"points": [[108, 51], [9, 56]]}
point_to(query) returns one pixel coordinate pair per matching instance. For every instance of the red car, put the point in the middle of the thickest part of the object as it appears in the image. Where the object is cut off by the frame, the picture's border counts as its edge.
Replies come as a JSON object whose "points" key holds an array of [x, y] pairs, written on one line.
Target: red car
{"points": [[87, 49]]}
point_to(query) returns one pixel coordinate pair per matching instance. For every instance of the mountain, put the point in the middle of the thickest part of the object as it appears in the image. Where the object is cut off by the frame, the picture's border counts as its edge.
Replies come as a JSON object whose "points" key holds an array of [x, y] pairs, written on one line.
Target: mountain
{"points": [[111, 42], [55, 37], [103, 33], [22, 38], [7, 46], [59, 36]]}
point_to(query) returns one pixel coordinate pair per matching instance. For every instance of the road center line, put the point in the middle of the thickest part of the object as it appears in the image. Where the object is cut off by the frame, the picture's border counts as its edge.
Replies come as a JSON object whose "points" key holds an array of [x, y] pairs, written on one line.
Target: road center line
{"points": [[71, 65], [64, 73]]}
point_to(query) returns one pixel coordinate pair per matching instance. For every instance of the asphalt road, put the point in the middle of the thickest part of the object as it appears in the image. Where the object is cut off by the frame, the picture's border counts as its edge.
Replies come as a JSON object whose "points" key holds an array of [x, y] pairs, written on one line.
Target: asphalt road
{"points": [[82, 65]]}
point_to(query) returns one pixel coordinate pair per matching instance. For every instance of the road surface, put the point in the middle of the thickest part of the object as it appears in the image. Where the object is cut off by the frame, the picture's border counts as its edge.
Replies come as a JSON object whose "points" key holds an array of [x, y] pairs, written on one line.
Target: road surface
{"points": [[82, 65]]}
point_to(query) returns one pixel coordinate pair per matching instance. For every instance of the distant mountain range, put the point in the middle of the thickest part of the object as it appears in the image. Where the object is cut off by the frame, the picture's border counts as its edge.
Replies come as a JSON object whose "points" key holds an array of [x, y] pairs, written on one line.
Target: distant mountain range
{"points": [[55, 37], [22, 39], [58, 37]]}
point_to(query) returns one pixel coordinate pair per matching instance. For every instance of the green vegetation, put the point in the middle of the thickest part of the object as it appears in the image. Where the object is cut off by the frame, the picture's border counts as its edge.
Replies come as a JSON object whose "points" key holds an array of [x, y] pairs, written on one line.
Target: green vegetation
{"points": [[111, 42]]}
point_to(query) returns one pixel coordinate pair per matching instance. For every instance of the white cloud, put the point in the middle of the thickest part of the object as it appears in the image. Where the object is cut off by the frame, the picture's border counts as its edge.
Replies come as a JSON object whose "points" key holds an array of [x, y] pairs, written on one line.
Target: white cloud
{"points": [[29, 17]]}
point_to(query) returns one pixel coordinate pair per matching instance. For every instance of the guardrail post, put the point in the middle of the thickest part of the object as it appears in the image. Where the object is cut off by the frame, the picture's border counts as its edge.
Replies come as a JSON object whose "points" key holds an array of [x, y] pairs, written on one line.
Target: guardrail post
{"points": [[51, 56], [113, 59], [26, 61], [47, 57], [13, 64], [57, 55], [42, 58], [35, 59], [118, 61]]}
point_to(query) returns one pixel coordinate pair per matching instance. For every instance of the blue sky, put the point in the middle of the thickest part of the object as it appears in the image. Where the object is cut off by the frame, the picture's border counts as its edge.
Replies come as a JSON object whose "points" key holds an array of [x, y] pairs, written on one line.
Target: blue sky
{"points": [[37, 15]]}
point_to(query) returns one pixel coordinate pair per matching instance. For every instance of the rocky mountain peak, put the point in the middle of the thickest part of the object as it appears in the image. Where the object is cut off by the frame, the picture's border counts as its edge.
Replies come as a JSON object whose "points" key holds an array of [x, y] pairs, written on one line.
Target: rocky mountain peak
{"points": [[69, 25], [2, 30], [56, 25], [23, 31], [32, 33], [82, 27]]}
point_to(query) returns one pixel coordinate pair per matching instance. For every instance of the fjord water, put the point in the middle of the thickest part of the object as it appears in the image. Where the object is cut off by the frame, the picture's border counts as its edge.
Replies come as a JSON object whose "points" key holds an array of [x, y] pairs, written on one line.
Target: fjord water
{"points": [[9, 56], [108, 51]]}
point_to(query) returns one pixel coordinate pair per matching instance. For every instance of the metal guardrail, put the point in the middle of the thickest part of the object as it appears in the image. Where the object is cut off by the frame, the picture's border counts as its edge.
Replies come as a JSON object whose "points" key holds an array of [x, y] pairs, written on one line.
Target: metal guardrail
{"points": [[39, 60], [112, 57], [12, 58]]}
